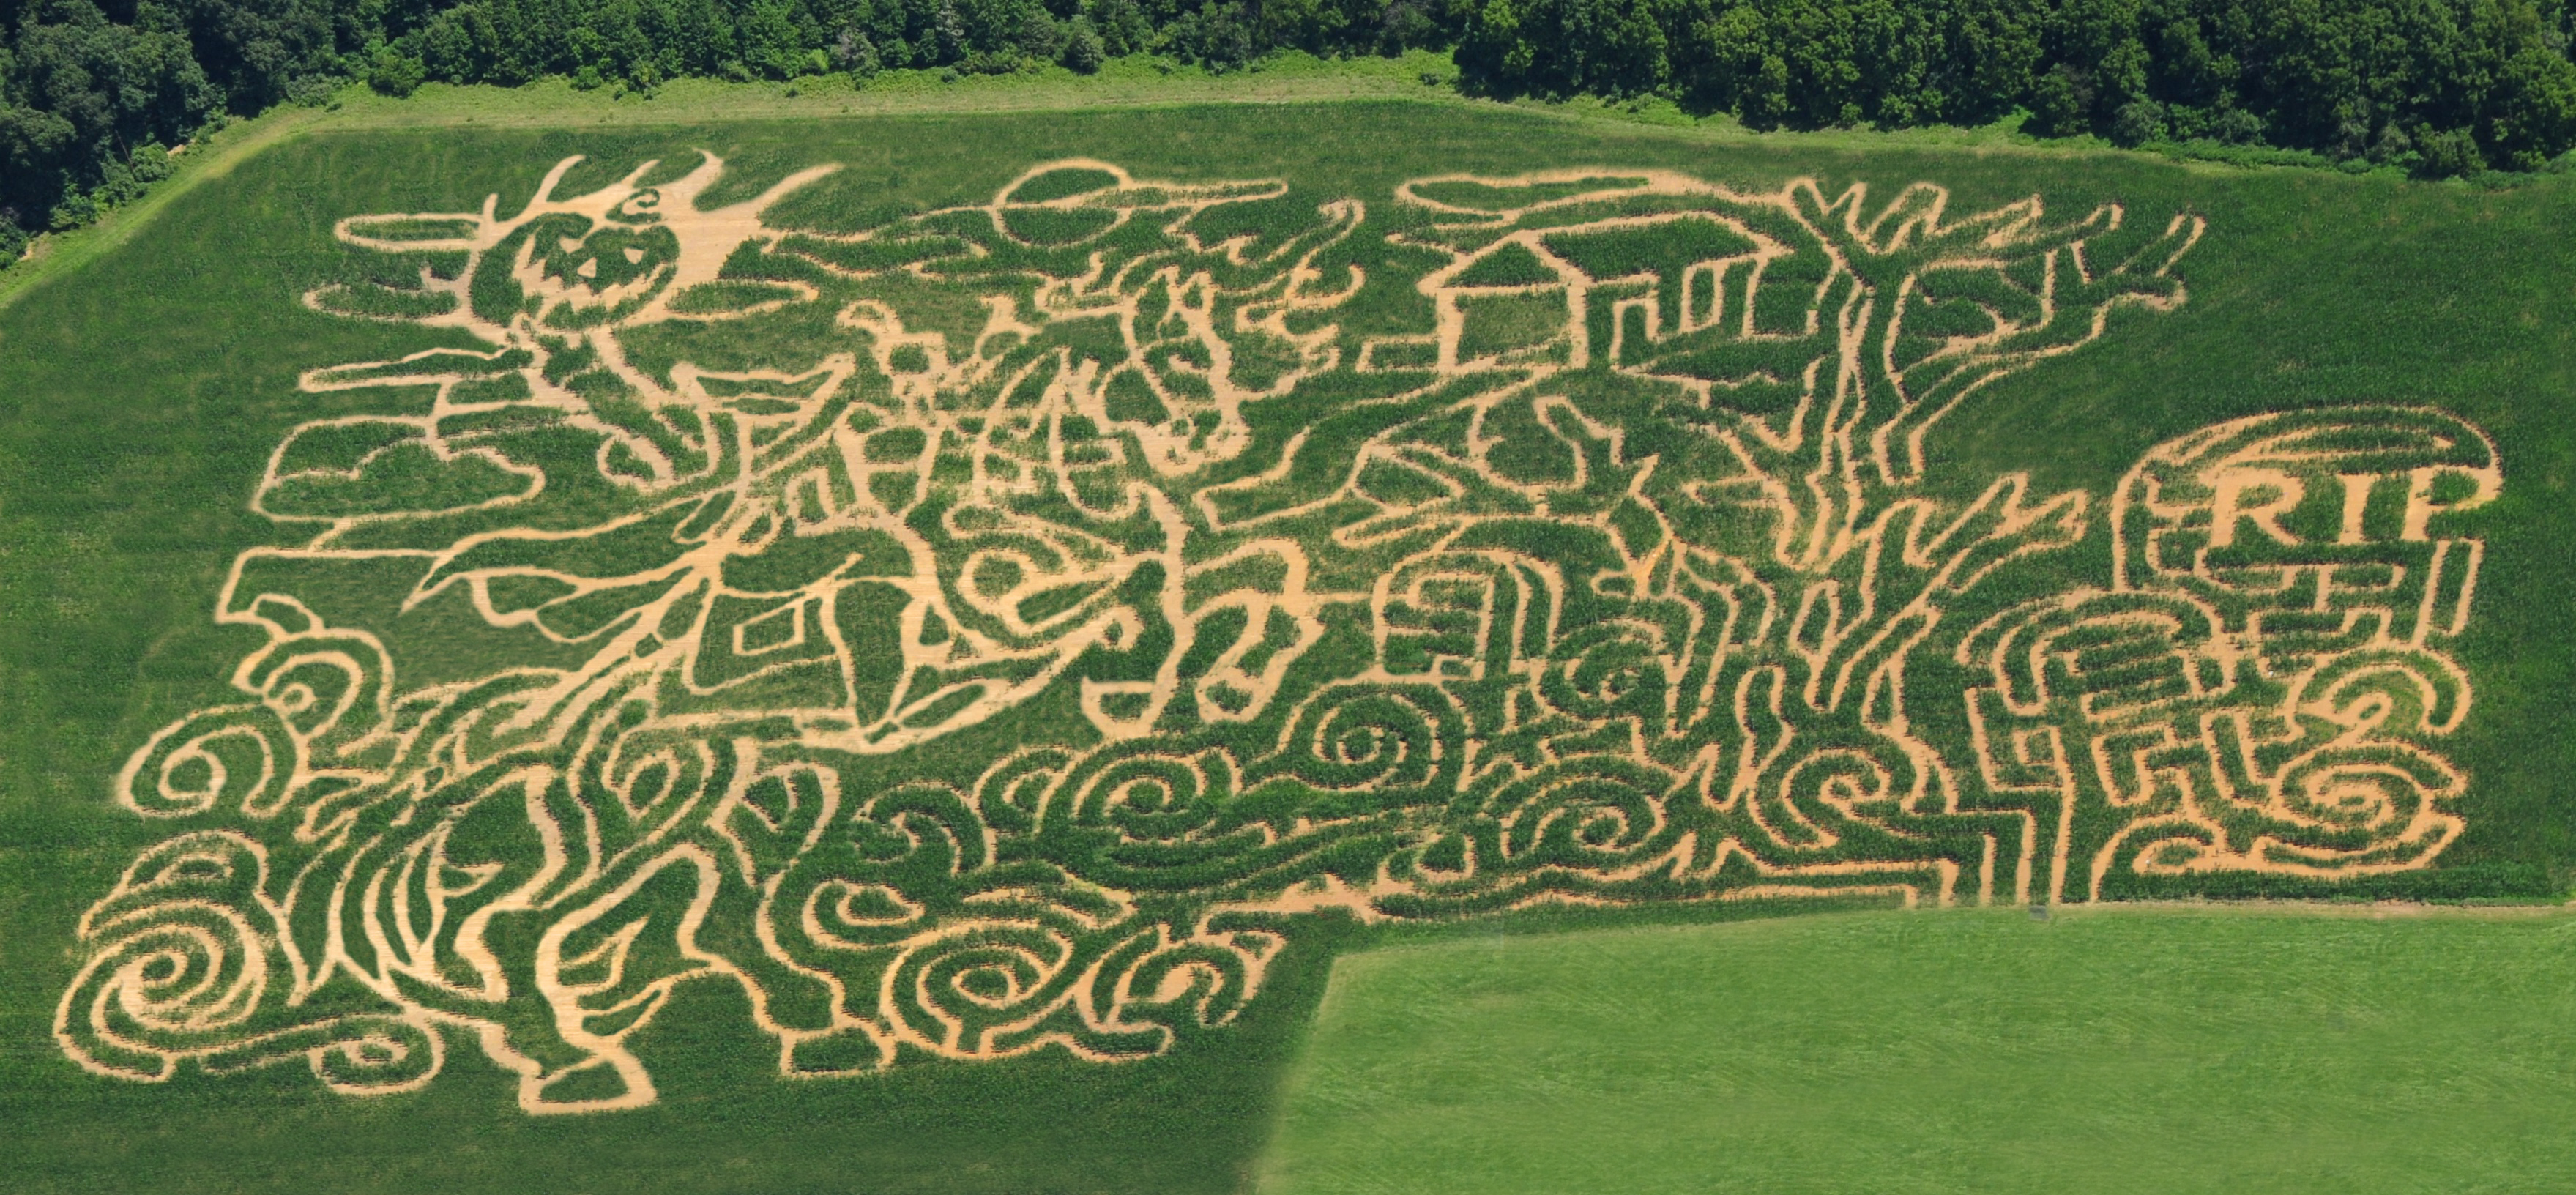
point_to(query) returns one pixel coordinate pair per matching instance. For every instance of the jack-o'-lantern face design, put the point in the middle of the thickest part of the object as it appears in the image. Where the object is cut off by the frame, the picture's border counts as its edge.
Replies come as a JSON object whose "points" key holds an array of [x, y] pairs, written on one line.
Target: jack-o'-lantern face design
{"points": [[587, 271]]}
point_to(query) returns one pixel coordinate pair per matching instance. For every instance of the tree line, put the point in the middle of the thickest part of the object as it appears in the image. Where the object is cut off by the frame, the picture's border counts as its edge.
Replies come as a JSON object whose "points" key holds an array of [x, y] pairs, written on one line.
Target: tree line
{"points": [[94, 92]]}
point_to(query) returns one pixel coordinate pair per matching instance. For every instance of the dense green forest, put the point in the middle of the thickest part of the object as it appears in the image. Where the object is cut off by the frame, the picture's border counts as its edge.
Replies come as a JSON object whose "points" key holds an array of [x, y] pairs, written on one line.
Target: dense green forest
{"points": [[92, 94]]}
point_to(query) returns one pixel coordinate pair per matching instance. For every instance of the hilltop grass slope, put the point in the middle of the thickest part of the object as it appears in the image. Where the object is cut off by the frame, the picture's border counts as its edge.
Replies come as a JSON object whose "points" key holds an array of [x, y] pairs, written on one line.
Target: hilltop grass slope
{"points": [[2120, 1050], [304, 566]]}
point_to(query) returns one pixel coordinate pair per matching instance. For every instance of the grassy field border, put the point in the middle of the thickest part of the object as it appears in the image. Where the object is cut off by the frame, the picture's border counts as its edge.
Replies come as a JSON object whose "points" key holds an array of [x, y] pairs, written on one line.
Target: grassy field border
{"points": [[1270, 1177], [1419, 76], [54, 255]]}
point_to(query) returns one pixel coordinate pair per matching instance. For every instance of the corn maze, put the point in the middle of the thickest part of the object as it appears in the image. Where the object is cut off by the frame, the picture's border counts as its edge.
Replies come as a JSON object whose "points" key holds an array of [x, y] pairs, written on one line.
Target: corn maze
{"points": [[610, 665]]}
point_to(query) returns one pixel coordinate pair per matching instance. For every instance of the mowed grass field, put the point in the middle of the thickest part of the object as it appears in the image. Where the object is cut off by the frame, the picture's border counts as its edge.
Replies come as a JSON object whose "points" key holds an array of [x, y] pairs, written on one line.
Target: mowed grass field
{"points": [[141, 398], [2111, 1051]]}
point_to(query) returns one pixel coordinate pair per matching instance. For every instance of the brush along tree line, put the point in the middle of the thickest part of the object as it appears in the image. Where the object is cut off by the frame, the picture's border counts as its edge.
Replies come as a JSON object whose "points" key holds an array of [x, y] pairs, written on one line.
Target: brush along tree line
{"points": [[91, 94]]}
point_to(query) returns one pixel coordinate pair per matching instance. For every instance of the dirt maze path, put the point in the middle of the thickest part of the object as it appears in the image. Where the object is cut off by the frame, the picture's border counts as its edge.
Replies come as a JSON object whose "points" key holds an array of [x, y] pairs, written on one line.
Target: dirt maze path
{"points": [[1051, 602]]}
